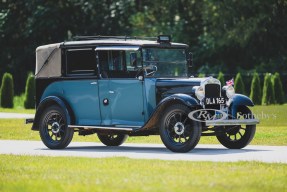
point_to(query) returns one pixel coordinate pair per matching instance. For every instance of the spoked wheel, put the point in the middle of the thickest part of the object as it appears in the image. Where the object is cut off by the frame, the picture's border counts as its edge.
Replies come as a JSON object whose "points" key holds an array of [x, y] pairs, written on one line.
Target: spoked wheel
{"points": [[112, 140], [177, 131], [53, 128], [237, 137]]}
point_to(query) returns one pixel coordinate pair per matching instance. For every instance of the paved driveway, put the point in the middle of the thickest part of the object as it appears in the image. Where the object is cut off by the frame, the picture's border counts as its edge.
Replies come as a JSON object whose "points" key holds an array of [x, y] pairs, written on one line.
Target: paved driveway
{"points": [[217, 153], [15, 116]]}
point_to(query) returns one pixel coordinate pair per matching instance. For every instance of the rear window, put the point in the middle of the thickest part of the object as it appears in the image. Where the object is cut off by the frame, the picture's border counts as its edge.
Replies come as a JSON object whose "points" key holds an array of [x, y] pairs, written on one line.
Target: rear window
{"points": [[80, 62]]}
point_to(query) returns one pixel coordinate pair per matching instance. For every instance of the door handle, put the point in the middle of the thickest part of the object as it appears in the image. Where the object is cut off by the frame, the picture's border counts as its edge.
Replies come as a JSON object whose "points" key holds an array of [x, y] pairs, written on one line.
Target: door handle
{"points": [[94, 83], [111, 92]]}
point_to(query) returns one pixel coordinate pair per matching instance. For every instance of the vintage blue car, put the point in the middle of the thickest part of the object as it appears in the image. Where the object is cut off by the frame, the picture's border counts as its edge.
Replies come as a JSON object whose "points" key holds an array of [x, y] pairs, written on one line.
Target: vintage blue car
{"points": [[127, 86]]}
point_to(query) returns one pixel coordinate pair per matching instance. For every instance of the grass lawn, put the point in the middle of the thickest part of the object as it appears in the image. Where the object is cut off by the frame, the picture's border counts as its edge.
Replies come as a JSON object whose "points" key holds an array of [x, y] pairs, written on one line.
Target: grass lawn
{"points": [[33, 173], [17, 110], [272, 130]]}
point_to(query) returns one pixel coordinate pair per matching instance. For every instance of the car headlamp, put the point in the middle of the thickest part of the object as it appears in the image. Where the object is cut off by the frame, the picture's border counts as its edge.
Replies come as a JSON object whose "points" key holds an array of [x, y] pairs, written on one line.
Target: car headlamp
{"points": [[229, 91], [199, 92]]}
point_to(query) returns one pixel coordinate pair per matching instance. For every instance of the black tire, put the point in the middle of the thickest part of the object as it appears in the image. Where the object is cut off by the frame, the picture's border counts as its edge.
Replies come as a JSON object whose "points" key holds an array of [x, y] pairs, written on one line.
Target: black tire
{"points": [[177, 131], [112, 140], [237, 137], [53, 128]]}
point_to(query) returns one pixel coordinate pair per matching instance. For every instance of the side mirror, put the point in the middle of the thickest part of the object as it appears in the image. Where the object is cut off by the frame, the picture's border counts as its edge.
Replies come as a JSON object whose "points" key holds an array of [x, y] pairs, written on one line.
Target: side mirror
{"points": [[133, 59], [190, 59]]}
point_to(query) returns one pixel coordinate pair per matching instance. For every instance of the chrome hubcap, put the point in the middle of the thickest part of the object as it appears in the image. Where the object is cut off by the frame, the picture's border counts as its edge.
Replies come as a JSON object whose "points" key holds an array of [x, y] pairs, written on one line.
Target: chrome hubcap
{"points": [[55, 127], [179, 128]]}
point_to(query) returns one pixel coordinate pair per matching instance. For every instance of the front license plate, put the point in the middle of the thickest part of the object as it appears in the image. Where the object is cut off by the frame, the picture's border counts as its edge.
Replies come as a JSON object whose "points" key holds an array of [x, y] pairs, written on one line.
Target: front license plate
{"points": [[214, 101]]}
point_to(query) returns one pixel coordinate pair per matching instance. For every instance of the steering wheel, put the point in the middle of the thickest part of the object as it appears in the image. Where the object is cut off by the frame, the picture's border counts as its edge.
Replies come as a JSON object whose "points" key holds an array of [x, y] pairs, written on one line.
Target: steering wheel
{"points": [[145, 69], [152, 68]]}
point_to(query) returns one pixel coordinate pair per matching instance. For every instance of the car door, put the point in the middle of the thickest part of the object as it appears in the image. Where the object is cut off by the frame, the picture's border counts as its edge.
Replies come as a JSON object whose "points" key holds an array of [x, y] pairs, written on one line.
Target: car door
{"points": [[80, 86], [120, 92]]}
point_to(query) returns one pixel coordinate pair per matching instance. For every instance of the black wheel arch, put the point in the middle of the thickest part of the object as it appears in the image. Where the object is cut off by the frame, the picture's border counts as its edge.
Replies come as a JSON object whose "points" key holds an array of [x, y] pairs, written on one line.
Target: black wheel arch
{"points": [[53, 100], [184, 99], [239, 100]]}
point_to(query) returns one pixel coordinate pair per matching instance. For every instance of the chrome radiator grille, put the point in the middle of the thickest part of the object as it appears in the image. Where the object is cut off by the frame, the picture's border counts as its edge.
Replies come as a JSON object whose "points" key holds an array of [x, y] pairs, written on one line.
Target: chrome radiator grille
{"points": [[212, 90]]}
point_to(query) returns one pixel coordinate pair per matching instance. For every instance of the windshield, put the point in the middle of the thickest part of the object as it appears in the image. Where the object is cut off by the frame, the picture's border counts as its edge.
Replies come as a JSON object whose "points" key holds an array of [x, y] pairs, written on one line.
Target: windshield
{"points": [[161, 62]]}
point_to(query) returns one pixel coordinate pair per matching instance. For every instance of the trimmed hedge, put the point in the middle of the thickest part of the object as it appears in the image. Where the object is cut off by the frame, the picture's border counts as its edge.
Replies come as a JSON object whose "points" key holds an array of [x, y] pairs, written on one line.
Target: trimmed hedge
{"points": [[239, 85], [278, 89], [29, 102], [7, 91], [256, 92], [200, 75], [268, 90], [221, 78]]}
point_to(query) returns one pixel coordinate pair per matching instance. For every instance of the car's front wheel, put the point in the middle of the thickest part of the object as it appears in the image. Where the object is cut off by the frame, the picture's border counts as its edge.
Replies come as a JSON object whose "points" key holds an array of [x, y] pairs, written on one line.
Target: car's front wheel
{"points": [[53, 128], [237, 137], [112, 140], [178, 132]]}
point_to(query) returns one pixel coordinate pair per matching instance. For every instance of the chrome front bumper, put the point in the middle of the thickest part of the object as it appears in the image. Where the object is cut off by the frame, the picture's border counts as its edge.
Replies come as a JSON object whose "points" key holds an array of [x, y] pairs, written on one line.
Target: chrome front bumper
{"points": [[232, 122]]}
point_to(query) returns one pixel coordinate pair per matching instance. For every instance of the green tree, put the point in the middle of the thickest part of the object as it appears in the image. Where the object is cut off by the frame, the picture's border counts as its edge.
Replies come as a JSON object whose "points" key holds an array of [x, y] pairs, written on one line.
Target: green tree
{"points": [[239, 85], [201, 75], [7, 91], [278, 89], [29, 102], [45, 22], [256, 91], [221, 78], [242, 33], [268, 91]]}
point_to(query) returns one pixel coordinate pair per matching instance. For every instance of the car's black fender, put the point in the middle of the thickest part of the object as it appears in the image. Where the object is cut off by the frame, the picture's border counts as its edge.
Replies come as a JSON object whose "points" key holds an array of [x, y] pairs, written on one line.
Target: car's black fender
{"points": [[52, 100], [239, 100], [163, 104]]}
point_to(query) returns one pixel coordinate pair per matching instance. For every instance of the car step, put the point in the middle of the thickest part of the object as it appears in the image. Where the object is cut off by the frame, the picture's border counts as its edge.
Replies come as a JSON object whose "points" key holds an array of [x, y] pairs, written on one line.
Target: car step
{"points": [[103, 127], [232, 122]]}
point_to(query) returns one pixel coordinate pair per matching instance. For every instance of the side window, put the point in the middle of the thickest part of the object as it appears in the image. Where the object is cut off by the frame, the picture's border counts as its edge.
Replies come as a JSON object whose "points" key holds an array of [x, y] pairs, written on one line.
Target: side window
{"points": [[80, 62], [104, 63], [112, 64], [133, 60], [119, 64], [117, 61]]}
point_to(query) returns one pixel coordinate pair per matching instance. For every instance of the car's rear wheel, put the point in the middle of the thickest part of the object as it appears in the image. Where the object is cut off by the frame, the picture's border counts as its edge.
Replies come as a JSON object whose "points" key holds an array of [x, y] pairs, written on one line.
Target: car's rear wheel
{"points": [[237, 137], [112, 140], [53, 128], [177, 131]]}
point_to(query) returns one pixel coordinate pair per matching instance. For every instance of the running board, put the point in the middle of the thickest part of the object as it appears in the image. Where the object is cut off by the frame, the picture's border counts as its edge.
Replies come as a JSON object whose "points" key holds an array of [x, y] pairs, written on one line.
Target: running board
{"points": [[232, 122], [103, 128], [30, 120]]}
